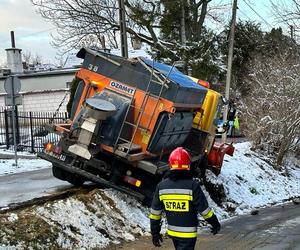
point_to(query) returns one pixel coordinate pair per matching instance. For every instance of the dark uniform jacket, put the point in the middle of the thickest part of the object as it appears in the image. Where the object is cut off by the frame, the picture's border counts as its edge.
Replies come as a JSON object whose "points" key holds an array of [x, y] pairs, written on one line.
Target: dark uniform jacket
{"points": [[181, 199]]}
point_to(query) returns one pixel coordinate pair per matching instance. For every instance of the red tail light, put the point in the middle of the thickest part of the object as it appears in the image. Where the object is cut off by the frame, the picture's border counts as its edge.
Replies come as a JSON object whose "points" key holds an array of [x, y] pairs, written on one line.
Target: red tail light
{"points": [[49, 147], [204, 83], [132, 181]]}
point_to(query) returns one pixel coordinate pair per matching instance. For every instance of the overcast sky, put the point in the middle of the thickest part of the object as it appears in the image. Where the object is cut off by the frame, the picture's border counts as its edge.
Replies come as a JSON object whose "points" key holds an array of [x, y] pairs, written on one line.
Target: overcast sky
{"points": [[32, 32]]}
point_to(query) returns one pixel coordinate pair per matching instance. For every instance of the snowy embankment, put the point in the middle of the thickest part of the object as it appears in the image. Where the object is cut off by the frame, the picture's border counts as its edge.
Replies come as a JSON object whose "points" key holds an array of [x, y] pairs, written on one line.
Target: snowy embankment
{"points": [[90, 220], [249, 181], [99, 218], [7, 166]]}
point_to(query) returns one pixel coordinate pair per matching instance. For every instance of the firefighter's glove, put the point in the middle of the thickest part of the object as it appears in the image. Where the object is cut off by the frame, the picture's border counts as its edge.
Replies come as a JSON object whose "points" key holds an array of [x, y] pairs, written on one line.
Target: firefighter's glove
{"points": [[157, 240], [155, 226], [216, 226], [215, 230]]}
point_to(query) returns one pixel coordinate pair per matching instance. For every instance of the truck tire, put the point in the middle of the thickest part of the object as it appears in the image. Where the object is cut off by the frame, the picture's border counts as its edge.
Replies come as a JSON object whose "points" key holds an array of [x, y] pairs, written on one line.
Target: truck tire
{"points": [[203, 166], [59, 173], [75, 179], [63, 175]]}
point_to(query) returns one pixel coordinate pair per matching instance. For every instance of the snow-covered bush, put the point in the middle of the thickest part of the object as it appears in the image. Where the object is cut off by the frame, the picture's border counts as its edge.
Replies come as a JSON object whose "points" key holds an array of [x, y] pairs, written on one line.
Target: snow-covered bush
{"points": [[272, 109]]}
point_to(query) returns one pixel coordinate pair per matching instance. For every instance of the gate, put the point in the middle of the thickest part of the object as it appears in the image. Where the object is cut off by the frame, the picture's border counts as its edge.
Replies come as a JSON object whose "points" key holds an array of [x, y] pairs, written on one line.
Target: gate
{"points": [[30, 126]]}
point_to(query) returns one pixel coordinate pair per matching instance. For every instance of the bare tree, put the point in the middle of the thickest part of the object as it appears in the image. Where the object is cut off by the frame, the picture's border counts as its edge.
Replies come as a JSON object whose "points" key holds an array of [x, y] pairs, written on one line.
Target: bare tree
{"points": [[60, 62], [83, 22], [272, 110], [79, 22], [29, 58], [287, 12], [37, 59]]}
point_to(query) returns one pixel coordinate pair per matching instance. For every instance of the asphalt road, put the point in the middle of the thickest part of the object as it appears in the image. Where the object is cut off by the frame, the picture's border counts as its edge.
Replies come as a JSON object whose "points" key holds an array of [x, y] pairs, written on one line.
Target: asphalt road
{"points": [[274, 228], [16, 188]]}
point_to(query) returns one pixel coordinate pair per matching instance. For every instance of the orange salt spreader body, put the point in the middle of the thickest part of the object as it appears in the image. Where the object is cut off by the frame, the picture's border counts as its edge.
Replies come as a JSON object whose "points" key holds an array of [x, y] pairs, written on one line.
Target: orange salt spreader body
{"points": [[127, 116]]}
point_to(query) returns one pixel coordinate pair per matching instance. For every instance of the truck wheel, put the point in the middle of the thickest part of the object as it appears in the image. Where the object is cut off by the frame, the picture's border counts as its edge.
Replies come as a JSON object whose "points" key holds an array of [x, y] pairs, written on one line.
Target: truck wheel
{"points": [[63, 175], [199, 167], [58, 173], [203, 166], [75, 179]]}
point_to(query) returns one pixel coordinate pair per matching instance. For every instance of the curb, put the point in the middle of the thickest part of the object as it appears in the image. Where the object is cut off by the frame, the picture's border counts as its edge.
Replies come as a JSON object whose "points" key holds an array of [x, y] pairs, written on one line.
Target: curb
{"points": [[12, 156]]}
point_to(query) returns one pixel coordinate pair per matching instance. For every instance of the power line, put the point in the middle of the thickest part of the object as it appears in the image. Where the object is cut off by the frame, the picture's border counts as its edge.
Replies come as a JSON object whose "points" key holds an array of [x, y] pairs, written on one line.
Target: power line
{"points": [[28, 35], [37, 32], [258, 14], [244, 13]]}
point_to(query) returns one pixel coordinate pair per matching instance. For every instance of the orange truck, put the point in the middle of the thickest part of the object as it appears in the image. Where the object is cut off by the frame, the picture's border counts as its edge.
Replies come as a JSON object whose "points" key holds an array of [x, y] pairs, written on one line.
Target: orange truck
{"points": [[127, 116]]}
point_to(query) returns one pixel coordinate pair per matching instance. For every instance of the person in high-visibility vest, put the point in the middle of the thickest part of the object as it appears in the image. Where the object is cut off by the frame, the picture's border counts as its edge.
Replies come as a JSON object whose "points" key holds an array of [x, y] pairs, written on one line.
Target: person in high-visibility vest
{"points": [[182, 198], [236, 123]]}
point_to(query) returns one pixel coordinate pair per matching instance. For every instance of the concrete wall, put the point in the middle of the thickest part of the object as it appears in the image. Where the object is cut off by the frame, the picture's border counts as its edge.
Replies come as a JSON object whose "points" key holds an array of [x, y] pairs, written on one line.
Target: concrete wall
{"points": [[43, 80], [42, 91], [42, 101]]}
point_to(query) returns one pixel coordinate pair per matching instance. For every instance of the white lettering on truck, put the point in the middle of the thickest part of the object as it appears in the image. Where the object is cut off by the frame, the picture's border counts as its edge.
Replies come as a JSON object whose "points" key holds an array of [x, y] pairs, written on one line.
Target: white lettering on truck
{"points": [[122, 87]]}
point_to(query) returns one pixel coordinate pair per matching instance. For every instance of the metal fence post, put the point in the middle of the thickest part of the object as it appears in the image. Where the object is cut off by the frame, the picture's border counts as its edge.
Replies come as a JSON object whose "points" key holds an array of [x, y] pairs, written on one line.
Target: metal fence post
{"points": [[17, 124], [31, 132], [30, 126], [6, 128]]}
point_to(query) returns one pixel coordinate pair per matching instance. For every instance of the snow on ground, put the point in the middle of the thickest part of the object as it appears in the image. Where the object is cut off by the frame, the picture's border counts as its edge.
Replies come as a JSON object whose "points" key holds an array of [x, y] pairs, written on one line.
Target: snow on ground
{"points": [[251, 182], [99, 218], [4, 151], [7, 166], [24, 165], [85, 221]]}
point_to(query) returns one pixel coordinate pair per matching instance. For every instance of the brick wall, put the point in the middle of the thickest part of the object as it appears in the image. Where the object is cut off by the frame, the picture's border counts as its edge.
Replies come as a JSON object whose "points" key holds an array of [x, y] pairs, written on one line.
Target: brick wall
{"points": [[43, 101]]}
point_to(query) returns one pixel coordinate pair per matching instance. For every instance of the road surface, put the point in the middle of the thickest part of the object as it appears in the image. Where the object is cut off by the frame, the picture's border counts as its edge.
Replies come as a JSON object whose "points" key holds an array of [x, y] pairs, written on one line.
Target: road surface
{"points": [[17, 188], [273, 228]]}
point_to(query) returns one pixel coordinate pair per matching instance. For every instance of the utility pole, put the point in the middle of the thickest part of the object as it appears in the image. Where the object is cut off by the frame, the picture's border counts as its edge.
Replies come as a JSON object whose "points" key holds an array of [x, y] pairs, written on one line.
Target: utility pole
{"points": [[124, 45], [182, 24], [292, 32], [229, 65], [12, 86], [13, 111], [13, 116]]}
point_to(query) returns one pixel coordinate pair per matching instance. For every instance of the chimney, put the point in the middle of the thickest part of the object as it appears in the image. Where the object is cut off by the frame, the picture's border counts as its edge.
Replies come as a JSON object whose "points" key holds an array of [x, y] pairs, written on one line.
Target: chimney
{"points": [[14, 58]]}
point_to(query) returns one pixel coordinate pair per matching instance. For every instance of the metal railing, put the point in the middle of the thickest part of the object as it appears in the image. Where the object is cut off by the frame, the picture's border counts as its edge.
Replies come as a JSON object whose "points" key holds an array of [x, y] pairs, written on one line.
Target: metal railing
{"points": [[31, 134]]}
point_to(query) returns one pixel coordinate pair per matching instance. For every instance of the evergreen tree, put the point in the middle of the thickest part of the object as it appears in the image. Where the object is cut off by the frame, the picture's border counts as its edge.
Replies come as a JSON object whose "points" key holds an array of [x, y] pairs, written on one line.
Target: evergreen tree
{"points": [[248, 39], [200, 52], [252, 43], [275, 42]]}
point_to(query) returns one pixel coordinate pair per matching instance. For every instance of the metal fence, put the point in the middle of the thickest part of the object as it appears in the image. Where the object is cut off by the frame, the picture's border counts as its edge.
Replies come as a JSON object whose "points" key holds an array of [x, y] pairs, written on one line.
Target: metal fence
{"points": [[31, 134]]}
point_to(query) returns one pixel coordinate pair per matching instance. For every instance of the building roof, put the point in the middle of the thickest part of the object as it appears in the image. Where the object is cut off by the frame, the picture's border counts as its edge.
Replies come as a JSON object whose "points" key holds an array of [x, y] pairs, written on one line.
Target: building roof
{"points": [[46, 73]]}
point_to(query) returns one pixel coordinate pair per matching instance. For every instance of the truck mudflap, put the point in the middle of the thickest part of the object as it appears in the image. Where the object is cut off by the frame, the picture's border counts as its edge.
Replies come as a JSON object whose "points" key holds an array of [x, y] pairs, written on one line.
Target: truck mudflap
{"points": [[217, 153], [89, 176]]}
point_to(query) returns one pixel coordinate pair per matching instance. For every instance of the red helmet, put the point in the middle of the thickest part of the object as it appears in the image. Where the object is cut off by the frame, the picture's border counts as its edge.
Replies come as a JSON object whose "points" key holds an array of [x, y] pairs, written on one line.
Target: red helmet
{"points": [[179, 159]]}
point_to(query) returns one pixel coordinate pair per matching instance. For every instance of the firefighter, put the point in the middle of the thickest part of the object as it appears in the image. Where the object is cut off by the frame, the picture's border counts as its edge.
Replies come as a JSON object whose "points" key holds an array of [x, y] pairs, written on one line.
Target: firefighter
{"points": [[181, 197]]}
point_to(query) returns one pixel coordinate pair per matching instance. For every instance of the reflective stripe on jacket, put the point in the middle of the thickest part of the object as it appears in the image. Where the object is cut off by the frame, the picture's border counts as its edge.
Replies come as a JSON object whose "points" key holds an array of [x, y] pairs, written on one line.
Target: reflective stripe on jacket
{"points": [[181, 200]]}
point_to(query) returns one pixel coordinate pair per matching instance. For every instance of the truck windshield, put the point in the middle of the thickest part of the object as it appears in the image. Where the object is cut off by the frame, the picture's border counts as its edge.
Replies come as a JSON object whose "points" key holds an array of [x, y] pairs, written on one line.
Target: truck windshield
{"points": [[76, 99], [218, 111]]}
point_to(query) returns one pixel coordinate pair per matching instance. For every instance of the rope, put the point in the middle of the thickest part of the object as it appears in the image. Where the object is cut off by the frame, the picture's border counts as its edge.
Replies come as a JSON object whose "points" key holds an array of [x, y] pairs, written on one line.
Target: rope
{"points": [[58, 108]]}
